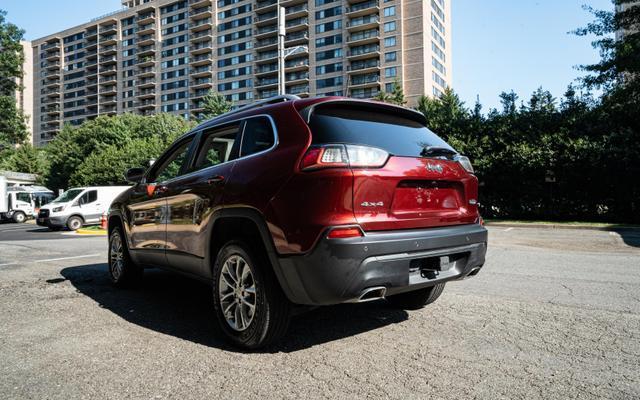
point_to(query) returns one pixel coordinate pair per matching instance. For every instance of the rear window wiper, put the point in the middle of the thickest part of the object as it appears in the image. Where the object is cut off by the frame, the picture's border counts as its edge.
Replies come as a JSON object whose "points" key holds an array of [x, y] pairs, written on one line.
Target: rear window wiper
{"points": [[433, 151]]}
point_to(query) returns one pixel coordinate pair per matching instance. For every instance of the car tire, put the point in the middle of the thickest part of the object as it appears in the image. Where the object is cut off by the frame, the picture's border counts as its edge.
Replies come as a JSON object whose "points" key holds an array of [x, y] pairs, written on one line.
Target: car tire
{"points": [[19, 217], [123, 272], [251, 308], [74, 223], [416, 299]]}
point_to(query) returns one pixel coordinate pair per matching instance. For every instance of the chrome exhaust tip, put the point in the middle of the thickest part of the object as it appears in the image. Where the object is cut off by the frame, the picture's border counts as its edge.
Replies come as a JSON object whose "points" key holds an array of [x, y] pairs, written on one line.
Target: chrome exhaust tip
{"points": [[371, 294]]}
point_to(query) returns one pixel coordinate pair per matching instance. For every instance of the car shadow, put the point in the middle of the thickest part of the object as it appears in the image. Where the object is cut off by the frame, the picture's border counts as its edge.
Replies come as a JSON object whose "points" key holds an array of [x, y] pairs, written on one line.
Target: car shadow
{"points": [[630, 236], [182, 307]]}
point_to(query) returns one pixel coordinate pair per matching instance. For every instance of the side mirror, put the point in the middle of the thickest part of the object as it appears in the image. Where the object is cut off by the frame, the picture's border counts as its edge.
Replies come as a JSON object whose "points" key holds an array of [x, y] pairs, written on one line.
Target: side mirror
{"points": [[135, 175]]}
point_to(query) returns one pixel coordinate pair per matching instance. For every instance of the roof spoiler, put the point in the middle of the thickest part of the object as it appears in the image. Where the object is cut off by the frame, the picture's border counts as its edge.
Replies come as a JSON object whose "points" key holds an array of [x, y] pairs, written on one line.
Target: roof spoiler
{"points": [[404, 111]]}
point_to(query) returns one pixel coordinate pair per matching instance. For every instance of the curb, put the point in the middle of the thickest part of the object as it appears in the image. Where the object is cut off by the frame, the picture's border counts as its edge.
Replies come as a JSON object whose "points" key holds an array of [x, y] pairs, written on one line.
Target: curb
{"points": [[563, 226], [92, 232]]}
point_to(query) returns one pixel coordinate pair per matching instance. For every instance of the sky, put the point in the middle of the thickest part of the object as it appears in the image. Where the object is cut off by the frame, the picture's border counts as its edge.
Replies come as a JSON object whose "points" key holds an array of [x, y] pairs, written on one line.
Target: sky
{"points": [[498, 45]]}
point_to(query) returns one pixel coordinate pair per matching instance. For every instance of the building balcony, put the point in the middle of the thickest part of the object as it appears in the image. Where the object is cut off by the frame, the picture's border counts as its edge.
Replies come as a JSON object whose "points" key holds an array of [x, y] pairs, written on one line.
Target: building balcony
{"points": [[53, 75], [268, 69], [52, 109], [203, 71], [111, 79], [52, 83], [202, 59], [202, 83], [301, 10], [364, 8], [109, 90], [109, 110], [265, 31], [108, 50], [299, 90], [108, 29], [266, 18], [266, 83], [53, 46], [201, 36], [146, 83], [146, 19], [365, 93], [362, 23], [364, 37], [265, 5], [146, 72], [91, 45], [296, 38], [146, 61], [267, 44], [91, 34], [108, 60], [296, 65], [367, 80], [199, 3], [52, 65], [146, 93], [53, 56], [148, 50], [91, 103], [109, 70], [201, 12], [297, 78], [201, 25], [201, 48], [146, 104], [51, 100], [266, 57], [146, 40], [297, 24], [362, 53], [53, 92], [146, 29], [359, 67], [265, 94], [108, 39]]}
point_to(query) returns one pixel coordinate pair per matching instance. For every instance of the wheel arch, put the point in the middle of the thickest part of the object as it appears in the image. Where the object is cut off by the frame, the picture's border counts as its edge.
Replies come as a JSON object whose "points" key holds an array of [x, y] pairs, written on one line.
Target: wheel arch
{"points": [[247, 224]]}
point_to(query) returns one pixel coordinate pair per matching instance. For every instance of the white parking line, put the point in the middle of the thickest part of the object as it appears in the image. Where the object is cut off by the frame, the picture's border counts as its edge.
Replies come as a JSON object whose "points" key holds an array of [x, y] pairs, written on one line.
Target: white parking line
{"points": [[508, 229], [54, 259]]}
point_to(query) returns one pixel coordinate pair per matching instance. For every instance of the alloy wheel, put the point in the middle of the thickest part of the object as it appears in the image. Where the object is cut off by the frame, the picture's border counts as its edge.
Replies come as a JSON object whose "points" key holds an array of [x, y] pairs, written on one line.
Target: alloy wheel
{"points": [[237, 292], [116, 257]]}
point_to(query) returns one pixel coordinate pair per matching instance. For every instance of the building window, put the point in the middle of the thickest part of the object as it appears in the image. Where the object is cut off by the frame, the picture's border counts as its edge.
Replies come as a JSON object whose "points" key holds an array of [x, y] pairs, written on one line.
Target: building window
{"points": [[390, 26], [390, 41], [390, 72], [390, 56], [388, 87], [438, 79], [390, 11], [329, 12]]}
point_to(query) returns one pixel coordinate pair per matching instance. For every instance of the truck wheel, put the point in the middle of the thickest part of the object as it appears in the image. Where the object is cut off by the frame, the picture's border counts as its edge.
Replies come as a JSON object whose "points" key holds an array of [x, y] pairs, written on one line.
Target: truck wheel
{"points": [[19, 217], [250, 306], [74, 223], [122, 270], [416, 299]]}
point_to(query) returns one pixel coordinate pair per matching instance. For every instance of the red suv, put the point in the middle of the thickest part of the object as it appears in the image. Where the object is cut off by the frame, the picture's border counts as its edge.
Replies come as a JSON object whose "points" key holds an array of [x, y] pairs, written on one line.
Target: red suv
{"points": [[295, 201]]}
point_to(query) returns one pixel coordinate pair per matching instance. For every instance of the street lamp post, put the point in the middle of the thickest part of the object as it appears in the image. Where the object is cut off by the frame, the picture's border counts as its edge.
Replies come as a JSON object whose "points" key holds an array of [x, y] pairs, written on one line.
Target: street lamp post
{"points": [[282, 52]]}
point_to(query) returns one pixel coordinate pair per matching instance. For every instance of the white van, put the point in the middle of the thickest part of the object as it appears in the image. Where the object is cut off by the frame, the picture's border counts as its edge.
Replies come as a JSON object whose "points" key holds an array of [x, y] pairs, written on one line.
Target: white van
{"points": [[78, 206]]}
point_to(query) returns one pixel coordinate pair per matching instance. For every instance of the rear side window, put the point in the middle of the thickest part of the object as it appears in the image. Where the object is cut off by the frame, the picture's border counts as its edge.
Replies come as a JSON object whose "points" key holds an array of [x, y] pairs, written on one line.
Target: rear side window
{"points": [[258, 136], [349, 124], [219, 145]]}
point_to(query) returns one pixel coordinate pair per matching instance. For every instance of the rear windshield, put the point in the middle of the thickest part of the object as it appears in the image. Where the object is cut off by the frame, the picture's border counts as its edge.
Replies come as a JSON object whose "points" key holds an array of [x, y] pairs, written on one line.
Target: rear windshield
{"points": [[398, 135]]}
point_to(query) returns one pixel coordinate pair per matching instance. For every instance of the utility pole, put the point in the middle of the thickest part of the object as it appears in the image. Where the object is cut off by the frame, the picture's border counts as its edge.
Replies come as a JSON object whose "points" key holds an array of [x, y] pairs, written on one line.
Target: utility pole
{"points": [[281, 49]]}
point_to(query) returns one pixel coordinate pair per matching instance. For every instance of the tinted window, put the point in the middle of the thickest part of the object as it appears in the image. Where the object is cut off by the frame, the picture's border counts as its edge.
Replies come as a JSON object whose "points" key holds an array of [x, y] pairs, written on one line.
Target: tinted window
{"points": [[218, 145], [258, 136], [171, 167], [396, 134]]}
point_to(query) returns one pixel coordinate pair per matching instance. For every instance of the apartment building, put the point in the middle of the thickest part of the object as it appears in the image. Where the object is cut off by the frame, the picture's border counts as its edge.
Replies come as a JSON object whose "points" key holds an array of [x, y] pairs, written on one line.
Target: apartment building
{"points": [[24, 92], [166, 55]]}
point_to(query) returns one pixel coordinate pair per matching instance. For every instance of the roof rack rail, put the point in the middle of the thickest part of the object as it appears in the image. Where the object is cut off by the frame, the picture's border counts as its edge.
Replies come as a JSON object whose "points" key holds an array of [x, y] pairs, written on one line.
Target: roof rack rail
{"points": [[270, 100]]}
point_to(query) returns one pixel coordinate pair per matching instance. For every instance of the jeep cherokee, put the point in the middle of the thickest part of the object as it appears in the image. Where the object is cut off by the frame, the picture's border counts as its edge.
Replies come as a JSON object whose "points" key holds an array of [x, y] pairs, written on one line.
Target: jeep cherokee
{"points": [[293, 201]]}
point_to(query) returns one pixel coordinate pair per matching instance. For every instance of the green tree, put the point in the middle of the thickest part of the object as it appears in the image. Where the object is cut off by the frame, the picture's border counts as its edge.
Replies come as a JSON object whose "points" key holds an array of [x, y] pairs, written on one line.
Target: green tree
{"points": [[26, 158], [395, 97], [74, 145], [13, 129], [214, 104]]}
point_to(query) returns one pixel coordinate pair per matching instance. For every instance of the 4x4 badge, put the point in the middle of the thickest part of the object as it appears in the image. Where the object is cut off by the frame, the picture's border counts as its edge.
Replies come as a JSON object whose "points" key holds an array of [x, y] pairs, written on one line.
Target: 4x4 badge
{"points": [[372, 204], [434, 168]]}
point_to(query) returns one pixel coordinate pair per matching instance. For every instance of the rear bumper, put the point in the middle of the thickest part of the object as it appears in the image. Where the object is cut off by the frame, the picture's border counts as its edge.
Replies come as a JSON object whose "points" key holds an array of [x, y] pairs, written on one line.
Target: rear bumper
{"points": [[339, 270]]}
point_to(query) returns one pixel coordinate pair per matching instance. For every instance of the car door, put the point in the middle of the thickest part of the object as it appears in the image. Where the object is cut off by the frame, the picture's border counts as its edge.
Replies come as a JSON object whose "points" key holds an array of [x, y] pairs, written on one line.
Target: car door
{"points": [[194, 197], [147, 208], [89, 206]]}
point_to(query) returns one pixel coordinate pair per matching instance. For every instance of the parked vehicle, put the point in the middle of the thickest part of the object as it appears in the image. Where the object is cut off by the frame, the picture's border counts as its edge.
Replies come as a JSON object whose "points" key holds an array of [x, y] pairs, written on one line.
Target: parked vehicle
{"points": [[78, 207], [19, 203], [303, 202]]}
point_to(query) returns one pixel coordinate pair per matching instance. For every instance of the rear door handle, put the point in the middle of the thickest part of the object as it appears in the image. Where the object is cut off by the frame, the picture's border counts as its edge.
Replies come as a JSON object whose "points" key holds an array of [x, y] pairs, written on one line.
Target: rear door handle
{"points": [[215, 179]]}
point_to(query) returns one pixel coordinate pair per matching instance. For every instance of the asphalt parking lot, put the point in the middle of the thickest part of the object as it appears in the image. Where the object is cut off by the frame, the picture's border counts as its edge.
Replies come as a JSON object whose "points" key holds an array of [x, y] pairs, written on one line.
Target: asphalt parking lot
{"points": [[553, 314]]}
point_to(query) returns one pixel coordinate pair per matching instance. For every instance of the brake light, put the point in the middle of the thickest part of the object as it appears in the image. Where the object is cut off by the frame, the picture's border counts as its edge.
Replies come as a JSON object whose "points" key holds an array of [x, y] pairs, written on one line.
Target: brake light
{"points": [[343, 233], [465, 162], [340, 156]]}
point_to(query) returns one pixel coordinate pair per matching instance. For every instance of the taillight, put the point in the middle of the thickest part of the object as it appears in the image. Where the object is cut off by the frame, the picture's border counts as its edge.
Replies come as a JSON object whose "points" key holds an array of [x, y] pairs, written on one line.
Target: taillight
{"points": [[346, 232], [465, 162], [341, 155]]}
